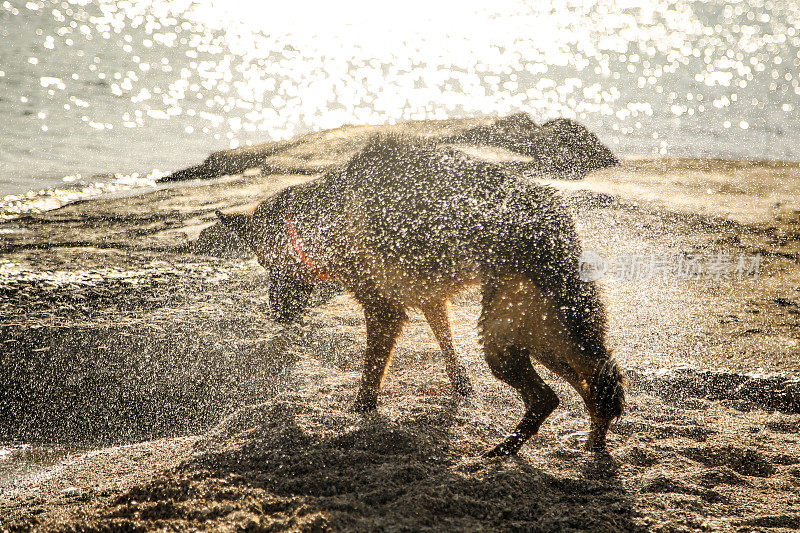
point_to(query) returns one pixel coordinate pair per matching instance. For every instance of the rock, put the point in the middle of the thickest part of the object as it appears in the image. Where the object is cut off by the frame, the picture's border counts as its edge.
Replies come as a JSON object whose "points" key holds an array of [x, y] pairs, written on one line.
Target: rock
{"points": [[232, 161], [560, 148], [71, 492]]}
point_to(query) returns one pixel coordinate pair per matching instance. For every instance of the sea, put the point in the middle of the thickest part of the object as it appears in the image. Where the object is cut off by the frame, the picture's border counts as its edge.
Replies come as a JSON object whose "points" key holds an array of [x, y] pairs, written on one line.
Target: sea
{"points": [[102, 96]]}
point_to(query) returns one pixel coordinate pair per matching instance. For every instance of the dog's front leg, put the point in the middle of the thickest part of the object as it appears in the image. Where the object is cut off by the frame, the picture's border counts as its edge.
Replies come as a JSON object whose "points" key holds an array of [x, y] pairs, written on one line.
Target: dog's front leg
{"points": [[384, 322], [438, 316]]}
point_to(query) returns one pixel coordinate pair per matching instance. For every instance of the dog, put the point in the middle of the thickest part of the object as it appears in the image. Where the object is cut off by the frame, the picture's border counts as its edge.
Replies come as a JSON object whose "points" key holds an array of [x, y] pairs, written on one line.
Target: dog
{"points": [[409, 223]]}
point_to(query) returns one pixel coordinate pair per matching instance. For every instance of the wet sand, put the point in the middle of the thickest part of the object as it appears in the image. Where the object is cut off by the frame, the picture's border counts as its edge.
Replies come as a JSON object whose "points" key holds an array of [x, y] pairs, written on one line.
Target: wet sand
{"points": [[126, 330]]}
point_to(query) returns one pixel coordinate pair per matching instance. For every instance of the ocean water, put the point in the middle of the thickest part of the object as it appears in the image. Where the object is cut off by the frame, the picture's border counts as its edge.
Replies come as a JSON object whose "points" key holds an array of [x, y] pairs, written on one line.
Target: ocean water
{"points": [[100, 96]]}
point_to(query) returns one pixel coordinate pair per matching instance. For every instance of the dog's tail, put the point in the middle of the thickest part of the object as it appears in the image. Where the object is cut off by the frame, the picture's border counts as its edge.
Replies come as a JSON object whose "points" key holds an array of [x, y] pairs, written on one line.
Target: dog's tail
{"points": [[583, 315], [607, 391], [546, 248]]}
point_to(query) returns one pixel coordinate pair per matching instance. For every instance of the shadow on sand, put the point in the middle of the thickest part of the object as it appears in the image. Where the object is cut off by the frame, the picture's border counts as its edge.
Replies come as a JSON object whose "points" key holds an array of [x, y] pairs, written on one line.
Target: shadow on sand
{"points": [[288, 465]]}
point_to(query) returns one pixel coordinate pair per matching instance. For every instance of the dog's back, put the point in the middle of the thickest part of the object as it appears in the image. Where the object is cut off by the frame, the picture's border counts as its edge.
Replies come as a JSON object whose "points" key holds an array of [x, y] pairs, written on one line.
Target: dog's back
{"points": [[440, 211]]}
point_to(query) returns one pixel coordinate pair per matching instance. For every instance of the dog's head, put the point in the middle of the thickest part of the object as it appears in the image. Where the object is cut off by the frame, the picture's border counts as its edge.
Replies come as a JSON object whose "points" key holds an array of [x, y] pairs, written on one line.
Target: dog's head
{"points": [[265, 233]]}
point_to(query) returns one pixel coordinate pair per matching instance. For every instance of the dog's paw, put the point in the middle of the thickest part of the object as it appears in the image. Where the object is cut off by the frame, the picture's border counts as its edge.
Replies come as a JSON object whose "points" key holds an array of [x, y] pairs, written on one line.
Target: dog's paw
{"points": [[463, 388], [363, 406], [508, 447], [596, 443]]}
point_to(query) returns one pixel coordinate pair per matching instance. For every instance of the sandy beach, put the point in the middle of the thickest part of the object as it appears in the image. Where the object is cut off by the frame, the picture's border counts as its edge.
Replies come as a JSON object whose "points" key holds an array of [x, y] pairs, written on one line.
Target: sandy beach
{"points": [[135, 328]]}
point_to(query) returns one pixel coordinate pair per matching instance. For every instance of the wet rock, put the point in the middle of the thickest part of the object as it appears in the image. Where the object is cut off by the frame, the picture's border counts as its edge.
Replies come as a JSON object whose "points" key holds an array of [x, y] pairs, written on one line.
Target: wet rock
{"points": [[560, 148], [232, 161]]}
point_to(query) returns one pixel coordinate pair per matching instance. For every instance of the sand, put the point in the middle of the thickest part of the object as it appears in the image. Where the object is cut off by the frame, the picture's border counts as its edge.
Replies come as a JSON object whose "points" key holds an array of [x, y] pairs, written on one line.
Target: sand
{"points": [[120, 333]]}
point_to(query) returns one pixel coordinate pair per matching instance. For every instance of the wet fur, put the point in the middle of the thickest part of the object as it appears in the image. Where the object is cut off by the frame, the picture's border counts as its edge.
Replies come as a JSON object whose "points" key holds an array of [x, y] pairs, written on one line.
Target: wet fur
{"points": [[408, 223]]}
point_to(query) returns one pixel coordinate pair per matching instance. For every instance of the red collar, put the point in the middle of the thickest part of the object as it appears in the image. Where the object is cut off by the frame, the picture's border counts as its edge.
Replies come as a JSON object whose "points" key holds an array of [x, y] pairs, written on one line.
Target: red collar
{"points": [[297, 244]]}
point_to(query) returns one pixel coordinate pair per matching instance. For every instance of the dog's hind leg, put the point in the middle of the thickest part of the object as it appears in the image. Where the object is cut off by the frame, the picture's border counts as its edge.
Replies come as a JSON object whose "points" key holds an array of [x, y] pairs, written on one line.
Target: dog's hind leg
{"points": [[511, 307], [385, 320], [512, 365], [437, 314], [517, 313], [595, 376]]}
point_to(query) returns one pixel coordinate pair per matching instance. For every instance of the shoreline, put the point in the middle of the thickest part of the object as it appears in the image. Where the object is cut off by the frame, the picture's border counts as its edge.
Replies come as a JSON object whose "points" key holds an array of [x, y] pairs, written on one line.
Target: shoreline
{"points": [[145, 334], [287, 157], [50, 196]]}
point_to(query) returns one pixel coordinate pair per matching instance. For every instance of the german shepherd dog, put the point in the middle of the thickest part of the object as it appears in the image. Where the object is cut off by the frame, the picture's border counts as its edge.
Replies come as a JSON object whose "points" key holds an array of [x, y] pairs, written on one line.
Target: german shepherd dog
{"points": [[407, 223]]}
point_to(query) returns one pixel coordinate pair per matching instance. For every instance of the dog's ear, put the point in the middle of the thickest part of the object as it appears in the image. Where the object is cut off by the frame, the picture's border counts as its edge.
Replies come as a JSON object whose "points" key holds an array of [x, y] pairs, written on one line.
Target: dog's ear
{"points": [[235, 222]]}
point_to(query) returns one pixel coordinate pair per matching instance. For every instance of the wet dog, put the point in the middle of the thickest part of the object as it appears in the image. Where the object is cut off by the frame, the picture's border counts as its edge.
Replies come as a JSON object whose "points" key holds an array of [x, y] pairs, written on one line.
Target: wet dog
{"points": [[408, 223]]}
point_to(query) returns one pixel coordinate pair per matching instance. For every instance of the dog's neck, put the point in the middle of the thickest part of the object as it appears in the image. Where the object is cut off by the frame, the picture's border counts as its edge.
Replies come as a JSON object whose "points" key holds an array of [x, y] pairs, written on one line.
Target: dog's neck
{"points": [[296, 242]]}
